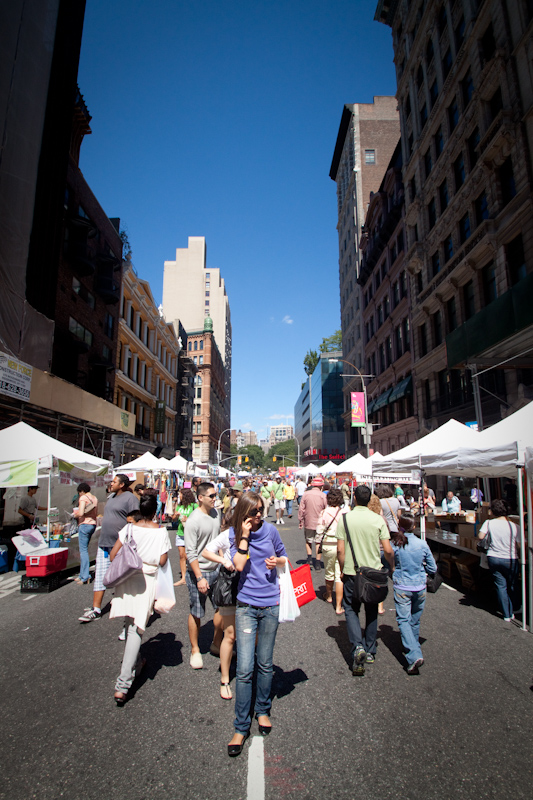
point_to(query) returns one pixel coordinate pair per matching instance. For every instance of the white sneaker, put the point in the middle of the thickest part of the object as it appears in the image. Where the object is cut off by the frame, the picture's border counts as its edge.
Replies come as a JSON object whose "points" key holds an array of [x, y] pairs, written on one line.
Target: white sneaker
{"points": [[122, 635], [282, 521]]}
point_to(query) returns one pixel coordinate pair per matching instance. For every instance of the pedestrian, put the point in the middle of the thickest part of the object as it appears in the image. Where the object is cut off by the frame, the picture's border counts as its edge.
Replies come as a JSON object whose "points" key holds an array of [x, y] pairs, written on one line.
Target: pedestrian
{"points": [[301, 486], [134, 598], [276, 493], [365, 529], [186, 505], [502, 557], [374, 504], [85, 513], [255, 544], [266, 496], [201, 527], [289, 493], [236, 493], [218, 551], [121, 503], [327, 542], [390, 506], [412, 560], [312, 504]]}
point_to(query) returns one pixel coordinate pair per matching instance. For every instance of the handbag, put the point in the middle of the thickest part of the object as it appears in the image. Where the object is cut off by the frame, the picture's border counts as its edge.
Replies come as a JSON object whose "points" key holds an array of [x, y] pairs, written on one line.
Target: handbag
{"points": [[323, 531], [483, 546], [126, 562], [433, 581], [224, 591], [370, 585], [165, 597], [288, 606]]}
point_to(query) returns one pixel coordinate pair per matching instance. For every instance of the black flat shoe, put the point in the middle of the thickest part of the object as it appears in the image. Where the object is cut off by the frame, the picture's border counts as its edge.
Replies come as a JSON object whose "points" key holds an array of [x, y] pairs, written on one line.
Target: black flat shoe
{"points": [[264, 730], [236, 749]]}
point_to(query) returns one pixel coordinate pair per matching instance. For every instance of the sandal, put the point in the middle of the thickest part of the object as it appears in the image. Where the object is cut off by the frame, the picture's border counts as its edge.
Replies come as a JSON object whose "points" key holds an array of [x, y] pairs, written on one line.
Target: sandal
{"points": [[225, 691]]}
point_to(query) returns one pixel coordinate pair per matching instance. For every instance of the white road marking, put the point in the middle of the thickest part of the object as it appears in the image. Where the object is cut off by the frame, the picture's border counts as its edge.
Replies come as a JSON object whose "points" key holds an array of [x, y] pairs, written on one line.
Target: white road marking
{"points": [[255, 789], [449, 587], [30, 597]]}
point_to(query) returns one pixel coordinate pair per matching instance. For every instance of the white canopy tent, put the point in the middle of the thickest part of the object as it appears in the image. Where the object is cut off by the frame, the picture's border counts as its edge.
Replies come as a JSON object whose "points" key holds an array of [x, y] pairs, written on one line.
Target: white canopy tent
{"points": [[328, 468], [309, 469], [145, 463], [356, 463], [225, 473], [178, 463]]}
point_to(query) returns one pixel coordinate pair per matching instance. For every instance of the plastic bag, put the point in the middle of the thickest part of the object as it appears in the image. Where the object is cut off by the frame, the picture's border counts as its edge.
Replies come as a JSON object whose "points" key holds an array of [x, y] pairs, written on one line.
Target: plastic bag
{"points": [[288, 606], [165, 597]]}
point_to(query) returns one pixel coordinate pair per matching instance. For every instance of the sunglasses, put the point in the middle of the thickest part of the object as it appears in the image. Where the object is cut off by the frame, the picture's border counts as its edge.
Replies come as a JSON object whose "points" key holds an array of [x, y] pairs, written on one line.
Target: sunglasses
{"points": [[256, 511], [211, 495]]}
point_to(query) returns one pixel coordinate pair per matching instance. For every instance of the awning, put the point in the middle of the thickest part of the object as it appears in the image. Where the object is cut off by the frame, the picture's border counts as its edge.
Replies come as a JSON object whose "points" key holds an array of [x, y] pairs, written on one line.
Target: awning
{"points": [[370, 407], [382, 400], [402, 389]]}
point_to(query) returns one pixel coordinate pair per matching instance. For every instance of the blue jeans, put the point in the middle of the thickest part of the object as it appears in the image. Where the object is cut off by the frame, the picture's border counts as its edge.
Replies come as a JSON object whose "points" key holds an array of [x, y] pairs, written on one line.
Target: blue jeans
{"points": [[409, 607], [84, 537], [250, 622], [505, 574], [352, 608], [289, 507]]}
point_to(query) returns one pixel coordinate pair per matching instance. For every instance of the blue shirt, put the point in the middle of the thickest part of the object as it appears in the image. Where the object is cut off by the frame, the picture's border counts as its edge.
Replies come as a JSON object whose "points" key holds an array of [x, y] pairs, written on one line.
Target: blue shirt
{"points": [[258, 585], [411, 564], [451, 506]]}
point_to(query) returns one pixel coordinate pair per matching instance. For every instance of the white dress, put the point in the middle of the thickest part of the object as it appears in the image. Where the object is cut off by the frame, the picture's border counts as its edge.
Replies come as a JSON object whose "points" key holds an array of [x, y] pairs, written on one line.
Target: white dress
{"points": [[135, 597]]}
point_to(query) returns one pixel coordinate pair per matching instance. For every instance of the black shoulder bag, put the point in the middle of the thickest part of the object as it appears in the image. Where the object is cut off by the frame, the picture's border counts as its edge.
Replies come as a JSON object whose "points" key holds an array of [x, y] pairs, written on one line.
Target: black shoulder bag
{"points": [[483, 546], [370, 585]]}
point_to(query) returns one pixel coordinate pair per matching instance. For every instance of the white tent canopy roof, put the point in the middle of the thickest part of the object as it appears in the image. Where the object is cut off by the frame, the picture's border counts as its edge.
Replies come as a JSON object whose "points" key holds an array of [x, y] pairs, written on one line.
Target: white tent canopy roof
{"points": [[517, 427], [357, 463], [145, 463], [178, 463], [21, 442], [328, 468]]}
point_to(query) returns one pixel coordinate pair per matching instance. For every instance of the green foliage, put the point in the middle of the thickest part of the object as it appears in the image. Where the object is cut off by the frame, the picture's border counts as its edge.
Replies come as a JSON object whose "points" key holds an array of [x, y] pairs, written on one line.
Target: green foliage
{"points": [[287, 448], [310, 361], [256, 456], [331, 343], [233, 449]]}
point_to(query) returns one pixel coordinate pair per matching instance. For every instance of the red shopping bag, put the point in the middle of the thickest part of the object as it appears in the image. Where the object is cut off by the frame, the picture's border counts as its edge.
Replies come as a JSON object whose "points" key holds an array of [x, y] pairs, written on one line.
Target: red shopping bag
{"points": [[303, 585]]}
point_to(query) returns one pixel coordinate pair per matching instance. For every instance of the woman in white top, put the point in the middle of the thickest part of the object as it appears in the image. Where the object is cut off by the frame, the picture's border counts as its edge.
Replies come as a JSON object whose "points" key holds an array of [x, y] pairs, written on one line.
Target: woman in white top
{"points": [[326, 540], [502, 557], [218, 550], [134, 598]]}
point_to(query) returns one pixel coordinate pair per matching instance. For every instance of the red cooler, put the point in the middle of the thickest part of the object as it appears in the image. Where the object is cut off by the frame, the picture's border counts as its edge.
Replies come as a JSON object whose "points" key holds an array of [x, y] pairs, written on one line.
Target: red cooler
{"points": [[41, 560]]}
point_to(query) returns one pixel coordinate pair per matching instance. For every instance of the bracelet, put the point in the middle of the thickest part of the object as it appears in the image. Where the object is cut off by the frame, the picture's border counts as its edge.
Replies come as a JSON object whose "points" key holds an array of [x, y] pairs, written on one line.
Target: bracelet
{"points": [[245, 539], [243, 552]]}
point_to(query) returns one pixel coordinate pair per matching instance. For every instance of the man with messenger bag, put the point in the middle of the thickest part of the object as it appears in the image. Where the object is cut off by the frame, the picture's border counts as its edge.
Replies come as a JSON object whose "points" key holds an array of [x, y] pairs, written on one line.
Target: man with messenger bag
{"points": [[365, 580]]}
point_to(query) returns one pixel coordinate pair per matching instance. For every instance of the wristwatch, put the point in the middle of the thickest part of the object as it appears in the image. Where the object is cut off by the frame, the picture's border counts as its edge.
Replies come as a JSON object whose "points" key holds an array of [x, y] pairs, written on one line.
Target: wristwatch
{"points": [[201, 578]]}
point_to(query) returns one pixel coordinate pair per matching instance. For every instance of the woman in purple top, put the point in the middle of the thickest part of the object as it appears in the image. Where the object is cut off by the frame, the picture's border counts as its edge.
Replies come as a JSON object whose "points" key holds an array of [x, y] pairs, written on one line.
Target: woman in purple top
{"points": [[256, 550]]}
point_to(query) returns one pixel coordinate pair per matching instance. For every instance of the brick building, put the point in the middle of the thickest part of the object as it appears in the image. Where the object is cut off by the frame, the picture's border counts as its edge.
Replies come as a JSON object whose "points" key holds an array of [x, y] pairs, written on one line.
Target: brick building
{"points": [[386, 316], [367, 136], [465, 94], [210, 409]]}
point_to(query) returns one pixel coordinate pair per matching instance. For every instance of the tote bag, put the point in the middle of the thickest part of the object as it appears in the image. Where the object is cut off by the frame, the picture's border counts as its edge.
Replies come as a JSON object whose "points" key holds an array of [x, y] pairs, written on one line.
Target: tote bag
{"points": [[288, 606], [126, 563]]}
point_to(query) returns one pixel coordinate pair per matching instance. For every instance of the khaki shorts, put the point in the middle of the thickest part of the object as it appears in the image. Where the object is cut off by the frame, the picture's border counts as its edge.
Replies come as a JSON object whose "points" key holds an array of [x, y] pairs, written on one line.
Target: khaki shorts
{"points": [[310, 535], [279, 504], [331, 562]]}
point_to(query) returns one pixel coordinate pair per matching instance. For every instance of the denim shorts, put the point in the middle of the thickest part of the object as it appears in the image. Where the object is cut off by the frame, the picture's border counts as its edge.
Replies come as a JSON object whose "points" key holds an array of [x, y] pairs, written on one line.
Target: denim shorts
{"points": [[196, 598]]}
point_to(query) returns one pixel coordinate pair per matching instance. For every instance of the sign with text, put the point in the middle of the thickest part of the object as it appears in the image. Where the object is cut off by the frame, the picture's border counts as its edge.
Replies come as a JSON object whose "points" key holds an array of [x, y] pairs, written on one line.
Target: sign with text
{"points": [[358, 409], [15, 377]]}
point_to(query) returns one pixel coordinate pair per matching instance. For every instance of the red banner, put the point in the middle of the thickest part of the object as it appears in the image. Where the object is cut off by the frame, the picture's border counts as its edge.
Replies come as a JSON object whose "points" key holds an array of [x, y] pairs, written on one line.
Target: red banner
{"points": [[358, 409]]}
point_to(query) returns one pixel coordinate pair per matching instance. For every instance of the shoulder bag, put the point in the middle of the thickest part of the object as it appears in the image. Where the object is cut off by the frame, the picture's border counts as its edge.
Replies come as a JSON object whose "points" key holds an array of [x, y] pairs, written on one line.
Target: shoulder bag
{"points": [[321, 534], [483, 546], [125, 564], [371, 585], [397, 521], [224, 591]]}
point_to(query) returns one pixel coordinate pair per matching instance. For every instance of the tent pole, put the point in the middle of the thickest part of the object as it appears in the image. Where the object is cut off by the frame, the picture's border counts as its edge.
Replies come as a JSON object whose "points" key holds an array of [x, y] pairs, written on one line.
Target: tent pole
{"points": [[529, 506], [49, 506], [422, 504], [522, 545]]}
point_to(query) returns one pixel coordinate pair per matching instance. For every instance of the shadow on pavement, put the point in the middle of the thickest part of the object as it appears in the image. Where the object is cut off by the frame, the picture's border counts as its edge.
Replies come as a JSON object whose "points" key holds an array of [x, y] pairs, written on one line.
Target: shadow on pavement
{"points": [[162, 650], [283, 682], [339, 632]]}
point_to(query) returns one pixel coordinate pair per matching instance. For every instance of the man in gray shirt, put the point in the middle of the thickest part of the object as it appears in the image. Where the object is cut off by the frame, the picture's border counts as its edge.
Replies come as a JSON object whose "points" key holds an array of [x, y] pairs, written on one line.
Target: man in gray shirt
{"points": [[201, 527], [118, 507]]}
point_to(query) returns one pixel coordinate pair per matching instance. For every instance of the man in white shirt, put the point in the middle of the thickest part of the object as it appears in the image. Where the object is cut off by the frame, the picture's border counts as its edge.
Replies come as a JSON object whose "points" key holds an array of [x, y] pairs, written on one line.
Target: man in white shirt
{"points": [[451, 504], [300, 487]]}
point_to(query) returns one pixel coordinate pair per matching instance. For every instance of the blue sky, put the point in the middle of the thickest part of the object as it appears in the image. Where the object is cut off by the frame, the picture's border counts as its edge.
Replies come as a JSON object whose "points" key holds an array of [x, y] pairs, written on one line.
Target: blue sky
{"points": [[219, 119]]}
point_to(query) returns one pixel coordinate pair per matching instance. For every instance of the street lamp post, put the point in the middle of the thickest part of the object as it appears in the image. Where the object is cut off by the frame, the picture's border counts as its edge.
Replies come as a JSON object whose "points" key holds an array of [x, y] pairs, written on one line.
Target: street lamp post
{"points": [[219, 440], [368, 428]]}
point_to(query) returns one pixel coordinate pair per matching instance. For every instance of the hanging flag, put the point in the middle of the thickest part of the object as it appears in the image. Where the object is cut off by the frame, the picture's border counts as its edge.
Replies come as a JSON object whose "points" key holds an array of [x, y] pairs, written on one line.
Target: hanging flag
{"points": [[358, 409]]}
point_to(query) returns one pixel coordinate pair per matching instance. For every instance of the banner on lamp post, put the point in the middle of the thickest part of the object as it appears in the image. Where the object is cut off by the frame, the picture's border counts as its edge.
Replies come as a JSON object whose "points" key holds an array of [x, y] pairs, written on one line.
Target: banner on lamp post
{"points": [[358, 409]]}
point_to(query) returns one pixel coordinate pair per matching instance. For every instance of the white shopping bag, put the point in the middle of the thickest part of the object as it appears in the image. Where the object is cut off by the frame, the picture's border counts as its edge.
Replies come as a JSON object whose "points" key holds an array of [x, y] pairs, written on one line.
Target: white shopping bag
{"points": [[165, 597], [288, 606]]}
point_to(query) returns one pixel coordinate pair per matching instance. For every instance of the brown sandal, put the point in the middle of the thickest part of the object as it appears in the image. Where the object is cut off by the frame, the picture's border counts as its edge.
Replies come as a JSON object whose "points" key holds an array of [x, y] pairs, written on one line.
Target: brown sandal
{"points": [[225, 691]]}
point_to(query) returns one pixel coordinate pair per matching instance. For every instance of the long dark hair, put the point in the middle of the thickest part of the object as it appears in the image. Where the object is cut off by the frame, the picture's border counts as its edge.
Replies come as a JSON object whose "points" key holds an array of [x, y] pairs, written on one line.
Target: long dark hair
{"points": [[187, 497], [245, 505], [406, 525]]}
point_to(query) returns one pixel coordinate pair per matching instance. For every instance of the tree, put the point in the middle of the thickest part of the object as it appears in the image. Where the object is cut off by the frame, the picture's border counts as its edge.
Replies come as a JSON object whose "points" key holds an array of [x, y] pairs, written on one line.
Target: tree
{"points": [[256, 456], [287, 448], [310, 361], [331, 343]]}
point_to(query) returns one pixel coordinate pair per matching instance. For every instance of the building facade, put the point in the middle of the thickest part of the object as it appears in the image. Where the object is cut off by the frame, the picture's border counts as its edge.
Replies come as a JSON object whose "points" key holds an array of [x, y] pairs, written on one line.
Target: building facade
{"points": [[318, 413], [386, 316], [367, 136], [465, 95], [210, 418], [150, 381], [280, 433], [192, 292], [242, 438]]}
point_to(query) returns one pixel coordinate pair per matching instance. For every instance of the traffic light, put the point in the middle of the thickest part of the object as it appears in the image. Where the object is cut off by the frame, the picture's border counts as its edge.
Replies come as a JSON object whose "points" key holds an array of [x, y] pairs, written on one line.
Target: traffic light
{"points": [[273, 458], [246, 458]]}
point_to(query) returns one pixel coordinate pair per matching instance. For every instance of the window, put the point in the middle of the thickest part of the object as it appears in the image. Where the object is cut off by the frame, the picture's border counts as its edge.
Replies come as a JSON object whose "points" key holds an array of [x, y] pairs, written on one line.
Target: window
{"points": [[423, 339], [380, 316], [516, 261], [459, 34], [419, 281], [464, 228], [196, 345], [496, 103], [468, 299], [447, 246], [106, 353], [507, 182], [400, 242], [459, 171], [488, 44], [195, 360], [398, 341], [78, 330], [446, 63], [201, 344], [432, 213], [428, 164], [207, 294], [198, 392], [433, 93], [451, 311], [443, 195], [407, 108], [437, 328], [420, 77], [453, 115], [406, 334], [207, 302], [488, 279], [430, 52], [190, 345], [467, 88], [201, 360], [76, 285], [435, 263], [395, 294], [482, 208], [473, 141], [207, 276], [442, 20], [423, 116], [403, 284], [439, 142], [412, 189], [370, 156]]}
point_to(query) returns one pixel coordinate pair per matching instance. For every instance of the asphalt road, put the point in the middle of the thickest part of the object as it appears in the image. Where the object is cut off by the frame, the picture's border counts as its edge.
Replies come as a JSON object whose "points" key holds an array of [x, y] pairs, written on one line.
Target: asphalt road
{"points": [[461, 729]]}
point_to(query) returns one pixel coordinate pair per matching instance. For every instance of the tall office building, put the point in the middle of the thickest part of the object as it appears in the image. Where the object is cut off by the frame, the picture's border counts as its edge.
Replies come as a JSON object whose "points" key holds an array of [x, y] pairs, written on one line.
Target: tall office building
{"points": [[368, 134], [318, 420]]}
